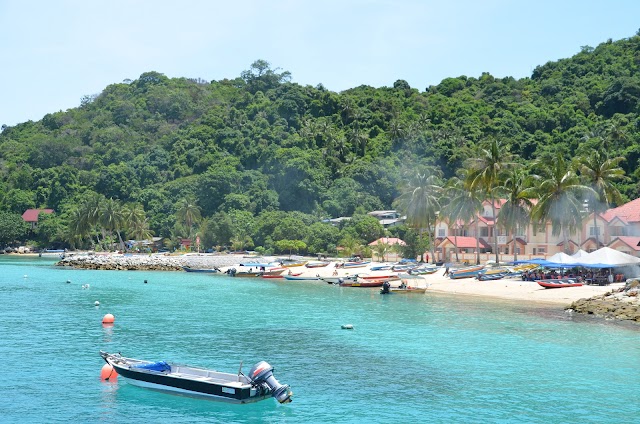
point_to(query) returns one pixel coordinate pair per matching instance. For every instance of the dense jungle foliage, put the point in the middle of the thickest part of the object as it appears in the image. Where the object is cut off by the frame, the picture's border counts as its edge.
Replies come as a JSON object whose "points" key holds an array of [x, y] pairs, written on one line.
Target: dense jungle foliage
{"points": [[256, 160]]}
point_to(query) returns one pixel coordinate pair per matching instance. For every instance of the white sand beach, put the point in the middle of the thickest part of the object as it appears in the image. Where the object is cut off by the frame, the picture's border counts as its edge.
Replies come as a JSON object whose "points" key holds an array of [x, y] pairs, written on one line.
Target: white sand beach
{"points": [[514, 289]]}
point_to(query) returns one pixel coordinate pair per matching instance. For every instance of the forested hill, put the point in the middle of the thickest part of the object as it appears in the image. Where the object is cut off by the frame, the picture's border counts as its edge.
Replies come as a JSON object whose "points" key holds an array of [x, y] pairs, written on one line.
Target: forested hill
{"points": [[260, 142]]}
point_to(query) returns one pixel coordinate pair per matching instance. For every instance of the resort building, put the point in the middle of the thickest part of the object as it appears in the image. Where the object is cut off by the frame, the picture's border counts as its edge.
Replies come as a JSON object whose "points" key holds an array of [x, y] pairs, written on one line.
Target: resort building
{"points": [[617, 228], [389, 218]]}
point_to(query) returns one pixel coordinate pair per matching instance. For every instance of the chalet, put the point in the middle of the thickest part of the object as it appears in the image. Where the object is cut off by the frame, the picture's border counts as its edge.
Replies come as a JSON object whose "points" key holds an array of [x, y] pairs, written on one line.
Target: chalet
{"points": [[30, 216]]}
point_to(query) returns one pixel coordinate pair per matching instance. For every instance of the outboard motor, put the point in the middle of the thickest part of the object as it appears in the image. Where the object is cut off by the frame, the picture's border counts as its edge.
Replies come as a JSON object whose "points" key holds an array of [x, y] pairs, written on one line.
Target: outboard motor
{"points": [[385, 288], [262, 374]]}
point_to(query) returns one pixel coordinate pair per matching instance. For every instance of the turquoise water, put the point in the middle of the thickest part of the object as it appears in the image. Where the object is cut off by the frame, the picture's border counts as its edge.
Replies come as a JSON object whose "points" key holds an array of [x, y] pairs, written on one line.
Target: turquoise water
{"points": [[410, 358]]}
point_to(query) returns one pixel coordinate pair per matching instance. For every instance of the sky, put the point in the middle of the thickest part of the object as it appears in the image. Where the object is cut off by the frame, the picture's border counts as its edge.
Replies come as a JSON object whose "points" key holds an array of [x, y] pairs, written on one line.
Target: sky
{"points": [[54, 52]]}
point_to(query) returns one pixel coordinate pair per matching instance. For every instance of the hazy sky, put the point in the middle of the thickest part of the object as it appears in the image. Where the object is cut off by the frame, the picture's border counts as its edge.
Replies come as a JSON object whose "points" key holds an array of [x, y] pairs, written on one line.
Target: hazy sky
{"points": [[56, 51]]}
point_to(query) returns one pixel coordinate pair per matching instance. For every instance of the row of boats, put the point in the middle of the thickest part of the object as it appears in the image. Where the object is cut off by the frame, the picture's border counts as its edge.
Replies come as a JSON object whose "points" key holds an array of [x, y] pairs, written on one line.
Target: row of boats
{"points": [[403, 276]]}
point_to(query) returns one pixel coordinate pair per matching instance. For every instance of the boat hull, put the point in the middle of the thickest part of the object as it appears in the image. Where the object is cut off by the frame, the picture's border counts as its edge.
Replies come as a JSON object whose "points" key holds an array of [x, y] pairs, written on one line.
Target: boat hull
{"points": [[558, 284]]}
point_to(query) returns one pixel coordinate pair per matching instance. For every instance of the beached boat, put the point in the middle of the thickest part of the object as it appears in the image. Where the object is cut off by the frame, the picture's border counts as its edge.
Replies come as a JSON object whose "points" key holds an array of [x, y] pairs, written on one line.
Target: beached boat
{"points": [[211, 271], [488, 276], [336, 280], [359, 282], [300, 277], [556, 284], [199, 382], [468, 272], [316, 264]]}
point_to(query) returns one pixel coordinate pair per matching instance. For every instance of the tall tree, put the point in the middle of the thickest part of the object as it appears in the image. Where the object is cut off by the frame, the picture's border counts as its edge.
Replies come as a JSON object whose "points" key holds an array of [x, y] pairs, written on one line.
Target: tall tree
{"points": [[488, 167], [464, 203], [516, 211], [420, 202], [600, 173], [188, 212], [560, 197]]}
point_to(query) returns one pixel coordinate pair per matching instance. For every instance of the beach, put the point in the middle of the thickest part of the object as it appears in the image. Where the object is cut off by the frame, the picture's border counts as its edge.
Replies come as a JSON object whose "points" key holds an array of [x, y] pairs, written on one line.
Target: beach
{"points": [[515, 289]]}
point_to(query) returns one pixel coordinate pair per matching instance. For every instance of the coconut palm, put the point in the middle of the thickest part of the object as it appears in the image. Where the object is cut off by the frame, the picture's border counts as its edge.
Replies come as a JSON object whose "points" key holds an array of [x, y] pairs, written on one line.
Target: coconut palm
{"points": [[464, 203], [188, 212], [560, 197], [420, 202], [488, 167], [515, 212], [381, 249], [111, 217], [600, 172]]}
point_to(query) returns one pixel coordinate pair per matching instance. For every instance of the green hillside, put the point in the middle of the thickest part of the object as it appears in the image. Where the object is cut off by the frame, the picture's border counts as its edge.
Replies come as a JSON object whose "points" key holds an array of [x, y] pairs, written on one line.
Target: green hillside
{"points": [[244, 156]]}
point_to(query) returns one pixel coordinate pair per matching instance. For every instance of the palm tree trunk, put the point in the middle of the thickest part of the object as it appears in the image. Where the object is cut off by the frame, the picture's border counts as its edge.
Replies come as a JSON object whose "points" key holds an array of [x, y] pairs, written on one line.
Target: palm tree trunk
{"points": [[456, 241], [515, 250], [565, 239], [477, 243], [595, 229], [495, 230]]}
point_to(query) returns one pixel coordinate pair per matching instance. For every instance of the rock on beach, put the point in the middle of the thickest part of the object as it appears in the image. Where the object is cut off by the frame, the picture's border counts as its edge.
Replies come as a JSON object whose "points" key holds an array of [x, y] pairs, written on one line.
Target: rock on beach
{"points": [[622, 304]]}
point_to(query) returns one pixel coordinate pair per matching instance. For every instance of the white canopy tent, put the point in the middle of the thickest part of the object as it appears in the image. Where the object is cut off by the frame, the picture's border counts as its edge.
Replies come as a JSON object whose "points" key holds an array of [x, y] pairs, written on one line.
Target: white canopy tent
{"points": [[606, 257], [579, 254], [563, 258]]}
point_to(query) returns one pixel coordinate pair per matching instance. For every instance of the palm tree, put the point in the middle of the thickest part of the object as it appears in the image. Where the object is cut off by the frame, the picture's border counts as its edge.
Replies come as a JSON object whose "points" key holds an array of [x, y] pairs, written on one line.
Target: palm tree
{"points": [[515, 213], [600, 172], [464, 203], [488, 167], [111, 217], [560, 197], [188, 212], [421, 204], [381, 249]]}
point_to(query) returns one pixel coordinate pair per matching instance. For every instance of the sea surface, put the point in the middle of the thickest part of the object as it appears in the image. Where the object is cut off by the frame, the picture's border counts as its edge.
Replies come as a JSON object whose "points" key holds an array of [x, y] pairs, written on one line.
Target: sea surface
{"points": [[410, 358]]}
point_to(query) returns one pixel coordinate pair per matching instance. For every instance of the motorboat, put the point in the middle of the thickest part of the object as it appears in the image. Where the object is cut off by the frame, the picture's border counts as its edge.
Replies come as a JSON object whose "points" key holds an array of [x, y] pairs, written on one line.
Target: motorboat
{"points": [[556, 284], [468, 272], [360, 282], [210, 270], [165, 376]]}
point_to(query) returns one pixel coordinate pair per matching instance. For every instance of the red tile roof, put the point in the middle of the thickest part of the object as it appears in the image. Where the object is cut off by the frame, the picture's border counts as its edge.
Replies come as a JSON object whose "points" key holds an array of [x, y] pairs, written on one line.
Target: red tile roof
{"points": [[31, 215], [632, 242], [388, 240], [465, 242], [629, 212]]}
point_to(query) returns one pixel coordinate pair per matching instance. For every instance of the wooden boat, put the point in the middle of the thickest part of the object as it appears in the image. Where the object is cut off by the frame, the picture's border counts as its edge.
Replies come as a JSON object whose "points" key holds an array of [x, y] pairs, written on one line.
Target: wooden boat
{"points": [[408, 289], [336, 280], [482, 276], [199, 382], [468, 272], [274, 273], [556, 284], [210, 271], [359, 282], [316, 264], [299, 277], [357, 264], [388, 277]]}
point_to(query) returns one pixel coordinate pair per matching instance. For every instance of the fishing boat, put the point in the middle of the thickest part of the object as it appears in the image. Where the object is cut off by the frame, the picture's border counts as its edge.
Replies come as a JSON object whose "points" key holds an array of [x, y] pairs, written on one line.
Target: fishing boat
{"points": [[316, 264], [487, 276], [360, 282], [210, 271], [260, 384], [403, 288], [556, 284], [468, 272], [300, 277], [336, 280], [274, 273]]}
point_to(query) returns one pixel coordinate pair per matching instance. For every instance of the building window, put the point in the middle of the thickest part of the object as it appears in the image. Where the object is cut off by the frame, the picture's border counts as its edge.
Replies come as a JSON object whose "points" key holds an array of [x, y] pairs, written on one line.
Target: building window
{"points": [[594, 231], [618, 231], [518, 251], [542, 250], [484, 232], [441, 232]]}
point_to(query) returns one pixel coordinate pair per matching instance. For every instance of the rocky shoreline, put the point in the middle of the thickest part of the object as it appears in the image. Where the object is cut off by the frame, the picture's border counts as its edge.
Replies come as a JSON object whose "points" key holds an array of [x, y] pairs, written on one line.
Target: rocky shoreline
{"points": [[622, 304], [147, 262]]}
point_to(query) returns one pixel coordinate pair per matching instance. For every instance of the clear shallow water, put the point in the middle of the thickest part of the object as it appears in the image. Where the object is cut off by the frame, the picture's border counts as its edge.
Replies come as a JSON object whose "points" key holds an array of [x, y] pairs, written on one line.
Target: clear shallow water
{"points": [[429, 358]]}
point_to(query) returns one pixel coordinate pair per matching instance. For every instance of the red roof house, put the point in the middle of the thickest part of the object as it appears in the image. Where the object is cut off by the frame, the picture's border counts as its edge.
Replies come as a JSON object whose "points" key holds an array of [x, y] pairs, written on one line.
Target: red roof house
{"points": [[31, 216]]}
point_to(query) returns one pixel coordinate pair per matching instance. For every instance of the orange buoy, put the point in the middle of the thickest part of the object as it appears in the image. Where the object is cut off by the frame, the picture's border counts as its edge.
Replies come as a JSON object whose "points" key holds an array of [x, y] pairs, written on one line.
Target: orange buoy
{"points": [[108, 319], [108, 373]]}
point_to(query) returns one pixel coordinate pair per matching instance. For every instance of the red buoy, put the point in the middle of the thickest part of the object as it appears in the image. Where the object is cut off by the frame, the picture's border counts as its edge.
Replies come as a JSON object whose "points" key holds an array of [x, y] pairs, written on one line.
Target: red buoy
{"points": [[108, 373], [108, 319]]}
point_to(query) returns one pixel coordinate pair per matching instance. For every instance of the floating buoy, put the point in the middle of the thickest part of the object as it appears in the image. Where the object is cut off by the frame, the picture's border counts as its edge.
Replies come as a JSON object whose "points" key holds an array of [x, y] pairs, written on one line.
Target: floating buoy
{"points": [[97, 304], [347, 326], [68, 281], [25, 276], [85, 286], [107, 373], [145, 281], [108, 319]]}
